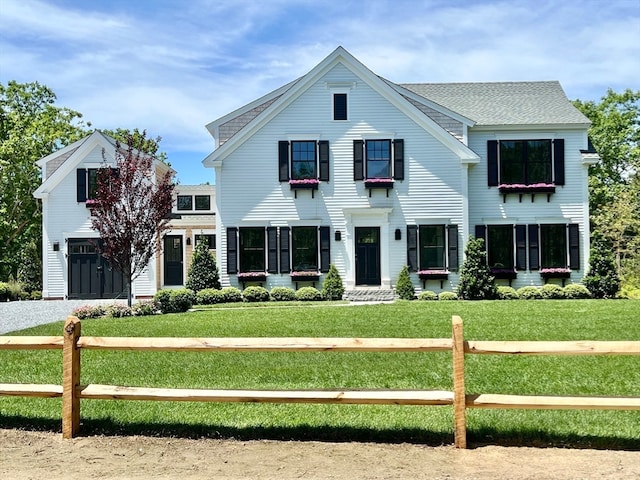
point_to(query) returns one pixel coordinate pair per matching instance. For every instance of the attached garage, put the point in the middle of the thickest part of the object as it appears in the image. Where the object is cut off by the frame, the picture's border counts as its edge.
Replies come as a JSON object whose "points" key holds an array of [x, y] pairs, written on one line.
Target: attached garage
{"points": [[90, 275]]}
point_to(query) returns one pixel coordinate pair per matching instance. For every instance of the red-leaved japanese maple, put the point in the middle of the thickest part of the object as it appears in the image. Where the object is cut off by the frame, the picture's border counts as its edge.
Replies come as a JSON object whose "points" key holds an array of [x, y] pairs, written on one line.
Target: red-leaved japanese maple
{"points": [[131, 210]]}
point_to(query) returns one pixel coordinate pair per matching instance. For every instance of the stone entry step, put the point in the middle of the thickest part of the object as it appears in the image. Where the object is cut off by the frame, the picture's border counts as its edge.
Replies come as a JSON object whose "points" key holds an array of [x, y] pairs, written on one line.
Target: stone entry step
{"points": [[369, 295]]}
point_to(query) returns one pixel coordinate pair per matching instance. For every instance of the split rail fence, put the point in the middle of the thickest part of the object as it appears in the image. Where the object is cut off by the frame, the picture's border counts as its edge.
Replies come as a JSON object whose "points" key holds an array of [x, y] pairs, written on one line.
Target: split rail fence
{"points": [[72, 391]]}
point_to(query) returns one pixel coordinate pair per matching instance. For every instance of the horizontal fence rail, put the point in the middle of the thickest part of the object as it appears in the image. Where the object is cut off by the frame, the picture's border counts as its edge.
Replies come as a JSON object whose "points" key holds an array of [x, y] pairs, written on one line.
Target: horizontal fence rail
{"points": [[72, 391]]}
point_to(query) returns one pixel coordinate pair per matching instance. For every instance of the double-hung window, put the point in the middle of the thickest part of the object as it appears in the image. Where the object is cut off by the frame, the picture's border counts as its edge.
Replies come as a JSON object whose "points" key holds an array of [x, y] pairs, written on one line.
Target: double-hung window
{"points": [[381, 159], [500, 247], [304, 249], [303, 161], [553, 246], [525, 162], [432, 247], [185, 202], [252, 249], [86, 184]]}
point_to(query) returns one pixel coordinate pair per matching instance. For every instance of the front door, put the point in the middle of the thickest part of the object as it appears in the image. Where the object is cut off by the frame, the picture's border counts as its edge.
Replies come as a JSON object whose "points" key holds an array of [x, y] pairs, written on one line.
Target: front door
{"points": [[90, 275], [367, 255], [173, 260]]}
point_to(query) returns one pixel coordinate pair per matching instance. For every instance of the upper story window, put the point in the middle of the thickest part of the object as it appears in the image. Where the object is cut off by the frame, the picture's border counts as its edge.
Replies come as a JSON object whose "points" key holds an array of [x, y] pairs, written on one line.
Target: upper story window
{"points": [[378, 159], [303, 160], [203, 202], [185, 203], [525, 163], [87, 183], [340, 106]]}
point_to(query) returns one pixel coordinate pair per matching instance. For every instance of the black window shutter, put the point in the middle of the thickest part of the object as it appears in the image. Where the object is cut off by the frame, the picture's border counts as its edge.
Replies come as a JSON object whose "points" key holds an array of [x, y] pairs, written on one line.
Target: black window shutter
{"points": [[232, 250], [574, 247], [358, 166], [412, 247], [81, 184], [398, 159], [285, 266], [558, 161], [272, 249], [521, 247], [481, 232], [325, 249], [492, 161], [453, 247], [534, 249], [283, 160], [323, 155]]}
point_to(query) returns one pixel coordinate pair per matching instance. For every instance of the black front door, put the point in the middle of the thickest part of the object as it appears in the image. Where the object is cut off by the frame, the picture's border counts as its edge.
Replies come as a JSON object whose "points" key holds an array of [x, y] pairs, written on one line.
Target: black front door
{"points": [[173, 260], [90, 275], [367, 256]]}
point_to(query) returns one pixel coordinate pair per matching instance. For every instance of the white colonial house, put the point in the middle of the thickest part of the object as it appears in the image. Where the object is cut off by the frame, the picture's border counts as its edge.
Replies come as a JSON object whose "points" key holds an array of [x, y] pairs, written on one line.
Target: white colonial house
{"points": [[72, 268], [344, 167]]}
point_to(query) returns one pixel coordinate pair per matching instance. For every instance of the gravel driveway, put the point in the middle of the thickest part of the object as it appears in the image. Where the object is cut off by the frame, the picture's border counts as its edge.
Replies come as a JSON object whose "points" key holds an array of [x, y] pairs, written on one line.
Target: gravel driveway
{"points": [[19, 315]]}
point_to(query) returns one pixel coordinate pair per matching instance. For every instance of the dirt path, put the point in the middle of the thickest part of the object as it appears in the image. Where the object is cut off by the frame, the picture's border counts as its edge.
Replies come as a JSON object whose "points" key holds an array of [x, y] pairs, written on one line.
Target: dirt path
{"points": [[38, 455]]}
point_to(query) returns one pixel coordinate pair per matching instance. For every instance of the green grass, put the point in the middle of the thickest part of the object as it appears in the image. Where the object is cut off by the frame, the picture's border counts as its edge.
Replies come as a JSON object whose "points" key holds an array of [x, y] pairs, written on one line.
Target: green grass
{"points": [[500, 320]]}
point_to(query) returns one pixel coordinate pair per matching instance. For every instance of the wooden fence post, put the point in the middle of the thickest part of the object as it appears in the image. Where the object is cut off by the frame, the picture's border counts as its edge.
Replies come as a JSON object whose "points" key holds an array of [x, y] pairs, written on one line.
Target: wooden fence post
{"points": [[459, 396], [70, 378]]}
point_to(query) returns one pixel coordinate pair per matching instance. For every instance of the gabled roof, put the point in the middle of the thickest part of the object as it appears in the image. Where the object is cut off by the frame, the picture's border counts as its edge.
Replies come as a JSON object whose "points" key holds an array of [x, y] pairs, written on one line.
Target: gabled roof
{"points": [[504, 103], [295, 89], [76, 152]]}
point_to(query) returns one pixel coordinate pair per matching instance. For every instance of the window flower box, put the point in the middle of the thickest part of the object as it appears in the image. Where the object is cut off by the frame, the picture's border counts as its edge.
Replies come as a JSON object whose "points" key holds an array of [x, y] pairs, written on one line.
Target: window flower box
{"points": [[386, 183], [252, 276], [520, 188], [305, 276], [504, 273], [440, 275], [90, 203], [304, 184], [555, 273]]}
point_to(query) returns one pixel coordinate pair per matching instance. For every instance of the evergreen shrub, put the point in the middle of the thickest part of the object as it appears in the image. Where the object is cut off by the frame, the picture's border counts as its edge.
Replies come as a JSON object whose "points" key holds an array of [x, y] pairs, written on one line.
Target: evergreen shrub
{"points": [[255, 293], [332, 287], [209, 296], [283, 294], [575, 291], [602, 280], [551, 291], [476, 281], [203, 271], [30, 269], [231, 294], [529, 293], [447, 296], [507, 293], [427, 295], [309, 294], [404, 287]]}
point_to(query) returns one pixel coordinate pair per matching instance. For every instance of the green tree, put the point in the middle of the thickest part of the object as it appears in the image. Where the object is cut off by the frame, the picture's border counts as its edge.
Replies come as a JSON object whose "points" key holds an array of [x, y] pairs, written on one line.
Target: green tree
{"points": [[404, 287], [614, 183], [476, 281], [31, 127], [203, 271], [602, 279], [140, 141]]}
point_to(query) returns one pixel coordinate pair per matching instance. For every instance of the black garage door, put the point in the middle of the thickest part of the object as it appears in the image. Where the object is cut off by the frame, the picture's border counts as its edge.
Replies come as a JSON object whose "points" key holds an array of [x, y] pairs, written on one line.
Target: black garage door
{"points": [[90, 275]]}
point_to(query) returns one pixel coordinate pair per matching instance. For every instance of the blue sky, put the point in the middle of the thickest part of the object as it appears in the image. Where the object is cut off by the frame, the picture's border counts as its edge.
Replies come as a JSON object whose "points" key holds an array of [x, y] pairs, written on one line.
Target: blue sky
{"points": [[171, 67]]}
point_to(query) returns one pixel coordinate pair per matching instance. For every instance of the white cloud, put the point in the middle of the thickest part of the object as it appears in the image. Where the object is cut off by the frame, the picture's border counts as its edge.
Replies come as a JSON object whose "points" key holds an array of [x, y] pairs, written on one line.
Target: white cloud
{"points": [[172, 67]]}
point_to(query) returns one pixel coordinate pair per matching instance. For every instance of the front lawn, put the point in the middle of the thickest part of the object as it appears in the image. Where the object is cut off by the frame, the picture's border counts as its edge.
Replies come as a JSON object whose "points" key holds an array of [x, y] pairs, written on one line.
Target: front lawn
{"points": [[496, 320]]}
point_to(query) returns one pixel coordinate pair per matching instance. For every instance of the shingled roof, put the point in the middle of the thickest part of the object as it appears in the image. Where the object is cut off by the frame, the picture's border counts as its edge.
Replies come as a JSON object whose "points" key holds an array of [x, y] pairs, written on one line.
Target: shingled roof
{"points": [[504, 103]]}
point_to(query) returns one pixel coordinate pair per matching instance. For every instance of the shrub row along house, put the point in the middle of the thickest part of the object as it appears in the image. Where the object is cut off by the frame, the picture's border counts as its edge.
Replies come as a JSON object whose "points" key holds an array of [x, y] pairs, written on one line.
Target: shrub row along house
{"points": [[344, 167]]}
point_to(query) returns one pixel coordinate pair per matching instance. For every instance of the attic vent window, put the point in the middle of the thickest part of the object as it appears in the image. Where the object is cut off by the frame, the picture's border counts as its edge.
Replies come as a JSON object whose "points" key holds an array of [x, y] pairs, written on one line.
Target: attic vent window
{"points": [[340, 106]]}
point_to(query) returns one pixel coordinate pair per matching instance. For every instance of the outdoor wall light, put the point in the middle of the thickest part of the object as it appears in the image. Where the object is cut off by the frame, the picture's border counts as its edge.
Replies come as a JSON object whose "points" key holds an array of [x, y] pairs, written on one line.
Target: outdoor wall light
{"points": [[398, 234], [338, 236], [188, 240], [56, 246]]}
